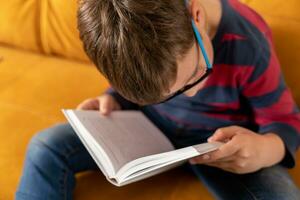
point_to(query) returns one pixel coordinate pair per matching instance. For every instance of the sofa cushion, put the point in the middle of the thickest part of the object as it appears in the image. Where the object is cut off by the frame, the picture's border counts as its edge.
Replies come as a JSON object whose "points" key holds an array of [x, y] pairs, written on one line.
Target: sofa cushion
{"points": [[33, 89], [19, 21], [47, 26]]}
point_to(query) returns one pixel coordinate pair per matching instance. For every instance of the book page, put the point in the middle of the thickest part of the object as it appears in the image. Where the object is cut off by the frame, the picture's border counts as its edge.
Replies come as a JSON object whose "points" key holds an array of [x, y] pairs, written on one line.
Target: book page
{"points": [[124, 135], [158, 162]]}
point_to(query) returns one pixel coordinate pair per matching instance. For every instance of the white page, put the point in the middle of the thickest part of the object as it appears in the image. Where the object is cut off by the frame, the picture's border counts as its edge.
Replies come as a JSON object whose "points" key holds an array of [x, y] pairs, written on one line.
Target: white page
{"points": [[165, 159], [124, 135], [91, 145]]}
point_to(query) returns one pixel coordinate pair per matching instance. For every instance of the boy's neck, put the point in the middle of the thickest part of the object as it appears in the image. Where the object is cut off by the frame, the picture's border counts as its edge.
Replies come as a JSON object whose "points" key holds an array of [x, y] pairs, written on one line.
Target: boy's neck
{"points": [[213, 9]]}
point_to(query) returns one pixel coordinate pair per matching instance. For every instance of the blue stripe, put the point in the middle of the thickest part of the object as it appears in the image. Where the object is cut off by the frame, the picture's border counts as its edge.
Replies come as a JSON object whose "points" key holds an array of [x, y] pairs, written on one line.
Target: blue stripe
{"points": [[261, 65], [193, 117], [236, 52], [214, 94]]}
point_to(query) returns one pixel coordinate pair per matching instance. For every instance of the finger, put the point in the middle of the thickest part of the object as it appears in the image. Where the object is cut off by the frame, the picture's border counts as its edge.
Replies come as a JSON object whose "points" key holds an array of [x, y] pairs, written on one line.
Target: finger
{"points": [[238, 166], [106, 105], [81, 105], [226, 159], [226, 163], [223, 134], [226, 150], [200, 159], [211, 158], [89, 104], [224, 166]]}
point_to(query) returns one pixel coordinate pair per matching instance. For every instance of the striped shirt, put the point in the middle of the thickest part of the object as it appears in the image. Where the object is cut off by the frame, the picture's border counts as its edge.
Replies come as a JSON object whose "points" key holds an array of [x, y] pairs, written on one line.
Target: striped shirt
{"points": [[245, 89]]}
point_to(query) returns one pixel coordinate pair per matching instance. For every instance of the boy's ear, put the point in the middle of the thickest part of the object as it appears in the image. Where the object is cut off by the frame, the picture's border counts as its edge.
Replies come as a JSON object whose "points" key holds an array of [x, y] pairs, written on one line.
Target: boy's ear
{"points": [[198, 14]]}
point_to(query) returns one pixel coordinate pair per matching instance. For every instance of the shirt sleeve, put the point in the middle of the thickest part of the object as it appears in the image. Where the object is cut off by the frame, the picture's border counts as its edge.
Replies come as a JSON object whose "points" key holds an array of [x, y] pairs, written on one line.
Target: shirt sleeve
{"points": [[273, 106], [124, 103]]}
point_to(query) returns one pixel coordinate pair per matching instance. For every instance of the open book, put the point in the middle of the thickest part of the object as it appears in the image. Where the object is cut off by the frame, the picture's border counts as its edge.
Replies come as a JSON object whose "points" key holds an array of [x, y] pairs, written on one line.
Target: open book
{"points": [[127, 147]]}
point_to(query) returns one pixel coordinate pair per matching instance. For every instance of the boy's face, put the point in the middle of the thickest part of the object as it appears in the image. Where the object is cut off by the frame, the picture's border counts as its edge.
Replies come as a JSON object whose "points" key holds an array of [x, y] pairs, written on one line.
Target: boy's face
{"points": [[192, 66]]}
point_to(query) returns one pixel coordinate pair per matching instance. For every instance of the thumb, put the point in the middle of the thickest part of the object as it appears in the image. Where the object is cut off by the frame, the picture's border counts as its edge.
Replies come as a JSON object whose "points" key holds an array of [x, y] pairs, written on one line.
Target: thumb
{"points": [[223, 134]]}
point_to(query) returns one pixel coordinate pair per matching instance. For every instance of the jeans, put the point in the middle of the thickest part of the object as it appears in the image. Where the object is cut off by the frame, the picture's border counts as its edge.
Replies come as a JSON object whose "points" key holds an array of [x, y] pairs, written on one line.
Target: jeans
{"points": [[56, 154]]}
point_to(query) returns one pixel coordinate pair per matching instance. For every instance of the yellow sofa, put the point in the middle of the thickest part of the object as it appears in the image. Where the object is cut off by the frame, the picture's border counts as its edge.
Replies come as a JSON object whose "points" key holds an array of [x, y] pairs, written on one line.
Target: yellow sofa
{"points": [[43, 69]]}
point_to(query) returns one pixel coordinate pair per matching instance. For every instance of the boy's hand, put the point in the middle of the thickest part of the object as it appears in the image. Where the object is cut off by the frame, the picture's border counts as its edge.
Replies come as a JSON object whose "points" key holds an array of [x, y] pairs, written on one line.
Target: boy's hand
{"points": [[244, 151], [105, 104]]}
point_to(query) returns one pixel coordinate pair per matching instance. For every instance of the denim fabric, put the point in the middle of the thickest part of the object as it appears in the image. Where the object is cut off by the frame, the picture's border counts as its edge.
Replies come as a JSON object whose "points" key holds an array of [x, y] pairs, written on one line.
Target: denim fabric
{"points": [[56, 154]]}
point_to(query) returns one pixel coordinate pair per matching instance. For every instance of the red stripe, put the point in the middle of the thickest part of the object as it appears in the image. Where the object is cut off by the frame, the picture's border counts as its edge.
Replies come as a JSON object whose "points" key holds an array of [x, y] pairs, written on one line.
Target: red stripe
{"points": [[225, 106], [228, 75], [284, 105], [267, 82], [232, 118], [231, 37]]}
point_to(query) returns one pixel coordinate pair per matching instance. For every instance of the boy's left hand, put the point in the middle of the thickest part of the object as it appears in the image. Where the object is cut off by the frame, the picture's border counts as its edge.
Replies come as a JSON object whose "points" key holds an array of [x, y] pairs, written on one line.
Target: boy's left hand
{"points": [[244, 151]]}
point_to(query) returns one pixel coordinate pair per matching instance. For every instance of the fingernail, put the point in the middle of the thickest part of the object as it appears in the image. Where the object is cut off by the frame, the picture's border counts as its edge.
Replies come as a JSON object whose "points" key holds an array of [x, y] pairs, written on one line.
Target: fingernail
{"points": [[205, 157], [192, 162]]}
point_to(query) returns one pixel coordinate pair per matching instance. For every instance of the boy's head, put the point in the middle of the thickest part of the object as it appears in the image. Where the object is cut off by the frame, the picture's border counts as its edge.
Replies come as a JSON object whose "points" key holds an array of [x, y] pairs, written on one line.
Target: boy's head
{"points": [[146, 49]]}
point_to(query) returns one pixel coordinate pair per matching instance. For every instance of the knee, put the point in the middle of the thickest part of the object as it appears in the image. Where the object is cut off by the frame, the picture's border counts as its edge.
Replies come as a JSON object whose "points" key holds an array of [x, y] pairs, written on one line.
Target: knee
{"points": [[47, 146], [276, 183]]}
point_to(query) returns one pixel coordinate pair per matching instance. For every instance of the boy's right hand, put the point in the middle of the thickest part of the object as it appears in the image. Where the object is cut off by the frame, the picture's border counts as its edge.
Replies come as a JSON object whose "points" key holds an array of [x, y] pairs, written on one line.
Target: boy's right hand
{"points": [[104, 103]]}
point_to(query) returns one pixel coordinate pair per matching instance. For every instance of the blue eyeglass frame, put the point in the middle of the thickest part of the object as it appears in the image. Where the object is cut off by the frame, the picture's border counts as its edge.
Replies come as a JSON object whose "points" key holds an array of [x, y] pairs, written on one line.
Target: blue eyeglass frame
{"points": [[207, 62]]}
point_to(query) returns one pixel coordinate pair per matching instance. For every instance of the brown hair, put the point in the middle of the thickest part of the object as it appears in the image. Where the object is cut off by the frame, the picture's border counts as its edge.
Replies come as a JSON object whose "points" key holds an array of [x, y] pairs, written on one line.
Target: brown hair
{"points": [[135, 44]]}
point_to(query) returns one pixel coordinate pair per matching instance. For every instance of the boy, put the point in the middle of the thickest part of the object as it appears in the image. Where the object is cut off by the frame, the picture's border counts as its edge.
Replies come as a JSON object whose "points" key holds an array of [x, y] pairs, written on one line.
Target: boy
{"points": [[157, 56]]}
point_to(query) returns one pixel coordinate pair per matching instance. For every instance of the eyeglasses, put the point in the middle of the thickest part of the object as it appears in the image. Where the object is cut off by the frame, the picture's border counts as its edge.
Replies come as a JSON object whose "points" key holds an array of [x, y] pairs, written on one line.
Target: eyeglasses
{"points": [[208, 66]]}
